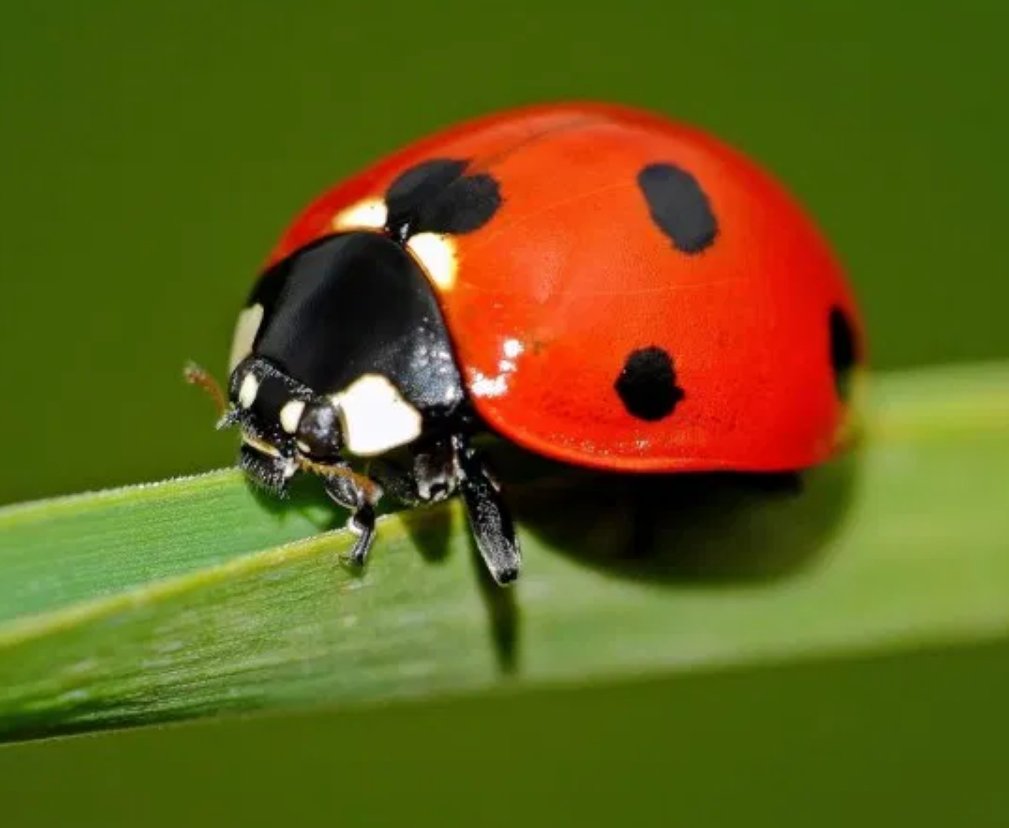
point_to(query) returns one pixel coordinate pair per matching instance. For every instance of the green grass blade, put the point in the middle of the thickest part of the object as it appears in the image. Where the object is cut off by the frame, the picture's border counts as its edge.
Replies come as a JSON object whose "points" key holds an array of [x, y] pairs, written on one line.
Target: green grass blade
{"points": [[54, 553], [195, 596]]}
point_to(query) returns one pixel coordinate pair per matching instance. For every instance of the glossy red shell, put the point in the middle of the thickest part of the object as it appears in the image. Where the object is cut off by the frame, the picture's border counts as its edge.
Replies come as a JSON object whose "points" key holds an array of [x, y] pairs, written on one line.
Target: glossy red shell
{"points": [[573, 268]]}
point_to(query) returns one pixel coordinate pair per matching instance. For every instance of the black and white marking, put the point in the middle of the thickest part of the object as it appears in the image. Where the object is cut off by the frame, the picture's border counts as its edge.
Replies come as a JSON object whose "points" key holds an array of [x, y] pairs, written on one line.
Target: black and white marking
{"points": [[370, 214], [438, 196], [342, 353], [246, 330], [358, 304], [424, 208], [375, 417]]}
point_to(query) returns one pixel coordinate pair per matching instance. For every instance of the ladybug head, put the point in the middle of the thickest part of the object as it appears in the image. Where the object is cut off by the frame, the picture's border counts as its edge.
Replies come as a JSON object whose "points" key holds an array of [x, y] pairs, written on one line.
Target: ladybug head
{"points": [[283, 423]]}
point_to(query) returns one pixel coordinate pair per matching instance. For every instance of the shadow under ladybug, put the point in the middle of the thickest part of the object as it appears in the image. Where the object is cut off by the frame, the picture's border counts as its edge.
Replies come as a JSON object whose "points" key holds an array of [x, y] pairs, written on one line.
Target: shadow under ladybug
{"points": [[679, 530]]}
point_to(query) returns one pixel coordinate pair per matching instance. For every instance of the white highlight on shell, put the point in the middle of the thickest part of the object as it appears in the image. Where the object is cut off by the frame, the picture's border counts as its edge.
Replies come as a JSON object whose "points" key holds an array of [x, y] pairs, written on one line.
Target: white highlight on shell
{"points": [[290, 415], [482, 385], [512, 348], [437, 253], [246, 329], [247, 390], [375, 418], [370, 214]]}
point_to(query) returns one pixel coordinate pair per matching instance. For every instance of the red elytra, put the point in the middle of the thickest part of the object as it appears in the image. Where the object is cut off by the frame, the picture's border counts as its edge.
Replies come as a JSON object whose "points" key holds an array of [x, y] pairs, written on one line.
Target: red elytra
{"points": [[573, 274]]}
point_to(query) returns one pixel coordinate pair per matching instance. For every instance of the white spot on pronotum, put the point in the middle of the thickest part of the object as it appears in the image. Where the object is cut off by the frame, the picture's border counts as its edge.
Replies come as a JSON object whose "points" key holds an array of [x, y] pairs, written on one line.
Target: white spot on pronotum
{"points": [[375, 417], [436, 252], [482, 385], [247, 390], [290, 415], [246, 329], [370, 214]]}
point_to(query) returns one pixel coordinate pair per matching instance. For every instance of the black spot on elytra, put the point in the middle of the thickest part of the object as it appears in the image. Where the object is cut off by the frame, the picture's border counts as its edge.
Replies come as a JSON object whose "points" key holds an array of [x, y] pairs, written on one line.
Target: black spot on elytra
{"points": [[647, 384], [844, 353], [438, 197], [679, 207]]}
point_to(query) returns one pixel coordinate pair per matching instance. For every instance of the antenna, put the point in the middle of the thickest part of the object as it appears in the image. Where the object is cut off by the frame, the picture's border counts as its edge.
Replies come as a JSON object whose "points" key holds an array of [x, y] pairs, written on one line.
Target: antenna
{"points": [[200, 377]]}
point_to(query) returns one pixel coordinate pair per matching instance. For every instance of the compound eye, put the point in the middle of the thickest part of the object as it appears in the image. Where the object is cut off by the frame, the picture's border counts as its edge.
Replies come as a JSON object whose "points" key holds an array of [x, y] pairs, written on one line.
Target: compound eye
{"points": [[318, 432]]}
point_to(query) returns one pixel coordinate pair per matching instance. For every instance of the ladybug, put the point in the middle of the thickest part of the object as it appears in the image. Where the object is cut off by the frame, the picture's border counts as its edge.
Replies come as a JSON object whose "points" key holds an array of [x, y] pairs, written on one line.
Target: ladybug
{"points": [[596, 284]]}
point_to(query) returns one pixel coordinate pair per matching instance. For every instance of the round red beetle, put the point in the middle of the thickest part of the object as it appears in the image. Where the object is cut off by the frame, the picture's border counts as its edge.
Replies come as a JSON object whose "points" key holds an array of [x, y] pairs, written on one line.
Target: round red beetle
{"points": [[596, 284]]}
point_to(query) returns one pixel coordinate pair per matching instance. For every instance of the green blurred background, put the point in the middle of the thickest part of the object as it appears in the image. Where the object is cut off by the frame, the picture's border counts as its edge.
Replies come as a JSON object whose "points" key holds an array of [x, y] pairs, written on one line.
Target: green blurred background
{"points": [[152, 152]]}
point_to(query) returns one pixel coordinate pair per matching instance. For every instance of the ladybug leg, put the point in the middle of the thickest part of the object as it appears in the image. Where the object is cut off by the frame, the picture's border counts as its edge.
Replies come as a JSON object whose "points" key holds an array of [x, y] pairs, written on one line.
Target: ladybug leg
{"points": [[489, 518], [426, 476], [362, 524], [348, 493]]}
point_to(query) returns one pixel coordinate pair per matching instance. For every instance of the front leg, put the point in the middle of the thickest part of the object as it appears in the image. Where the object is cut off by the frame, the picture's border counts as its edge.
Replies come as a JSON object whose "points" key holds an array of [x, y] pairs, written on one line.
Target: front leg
{"points": [[423, 476], [359, 495], [489, 518], [438, 470]]}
